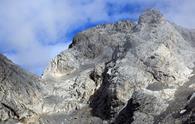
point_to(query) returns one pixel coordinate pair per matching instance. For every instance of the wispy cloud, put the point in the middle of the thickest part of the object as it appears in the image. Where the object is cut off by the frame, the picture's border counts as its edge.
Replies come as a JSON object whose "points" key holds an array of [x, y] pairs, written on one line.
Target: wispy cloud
{"points": [[33, 32]]}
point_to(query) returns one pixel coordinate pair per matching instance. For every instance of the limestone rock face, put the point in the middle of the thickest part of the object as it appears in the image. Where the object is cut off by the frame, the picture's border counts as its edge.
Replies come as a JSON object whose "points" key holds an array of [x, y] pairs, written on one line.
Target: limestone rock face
{"points": [[118, 73], [19, 92]]}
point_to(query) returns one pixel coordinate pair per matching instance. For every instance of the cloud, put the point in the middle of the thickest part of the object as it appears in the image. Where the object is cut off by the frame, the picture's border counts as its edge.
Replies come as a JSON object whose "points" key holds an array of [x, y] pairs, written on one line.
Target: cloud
{"points": [[33, 32], [181, 12]]}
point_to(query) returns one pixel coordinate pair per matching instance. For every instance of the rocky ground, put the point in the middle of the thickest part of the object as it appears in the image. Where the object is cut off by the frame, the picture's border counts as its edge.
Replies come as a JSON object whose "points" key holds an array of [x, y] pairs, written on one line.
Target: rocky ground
{"points": [[175, 106], [121, 73]]}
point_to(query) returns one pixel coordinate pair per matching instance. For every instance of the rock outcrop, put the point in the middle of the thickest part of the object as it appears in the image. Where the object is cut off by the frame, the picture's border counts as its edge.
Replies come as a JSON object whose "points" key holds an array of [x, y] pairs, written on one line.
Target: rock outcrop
{"points": [[20, 93], [139, 73]]}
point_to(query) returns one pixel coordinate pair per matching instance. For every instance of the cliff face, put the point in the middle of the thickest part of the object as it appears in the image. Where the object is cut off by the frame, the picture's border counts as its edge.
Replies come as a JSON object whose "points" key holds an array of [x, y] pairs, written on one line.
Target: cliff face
{"points": [[19, 92], [113, 73]]}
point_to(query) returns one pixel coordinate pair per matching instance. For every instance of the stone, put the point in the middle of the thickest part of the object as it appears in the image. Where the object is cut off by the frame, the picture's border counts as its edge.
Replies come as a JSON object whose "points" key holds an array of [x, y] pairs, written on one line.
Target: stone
{"points": [[20, 91]]}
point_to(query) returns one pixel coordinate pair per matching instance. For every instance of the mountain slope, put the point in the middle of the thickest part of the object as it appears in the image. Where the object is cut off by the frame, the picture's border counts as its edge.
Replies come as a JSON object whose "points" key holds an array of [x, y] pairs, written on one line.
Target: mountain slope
{"points": [[19, 91]]}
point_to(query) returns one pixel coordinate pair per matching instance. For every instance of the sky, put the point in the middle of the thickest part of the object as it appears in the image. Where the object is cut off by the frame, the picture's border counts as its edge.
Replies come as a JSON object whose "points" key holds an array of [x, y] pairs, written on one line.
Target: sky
{"points": [[32, 32]]}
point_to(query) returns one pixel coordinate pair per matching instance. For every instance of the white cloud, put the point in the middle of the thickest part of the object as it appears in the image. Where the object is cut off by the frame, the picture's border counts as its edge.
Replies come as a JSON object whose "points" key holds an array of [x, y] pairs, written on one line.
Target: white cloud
{"points": [[182, 12], [32, 29]]}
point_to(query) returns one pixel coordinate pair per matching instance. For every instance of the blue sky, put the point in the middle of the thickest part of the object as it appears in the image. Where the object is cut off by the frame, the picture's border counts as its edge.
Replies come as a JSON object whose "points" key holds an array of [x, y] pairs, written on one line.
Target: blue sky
{"points": [[33, 32]]}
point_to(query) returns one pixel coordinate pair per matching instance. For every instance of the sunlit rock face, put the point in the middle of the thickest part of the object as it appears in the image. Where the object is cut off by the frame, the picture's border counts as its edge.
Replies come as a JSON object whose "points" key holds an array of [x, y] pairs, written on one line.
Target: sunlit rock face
{"points": [[121, 73]]}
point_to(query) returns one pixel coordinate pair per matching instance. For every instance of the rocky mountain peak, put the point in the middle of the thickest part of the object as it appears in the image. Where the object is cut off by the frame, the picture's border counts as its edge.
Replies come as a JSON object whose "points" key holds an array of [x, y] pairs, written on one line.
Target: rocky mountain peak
{"points": [[113, 73], [151, 16]]}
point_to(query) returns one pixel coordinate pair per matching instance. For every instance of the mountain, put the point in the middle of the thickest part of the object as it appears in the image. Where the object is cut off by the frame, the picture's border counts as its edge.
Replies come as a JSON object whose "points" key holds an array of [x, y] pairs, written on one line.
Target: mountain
{"points": [[20, 93], [121, 73]]}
